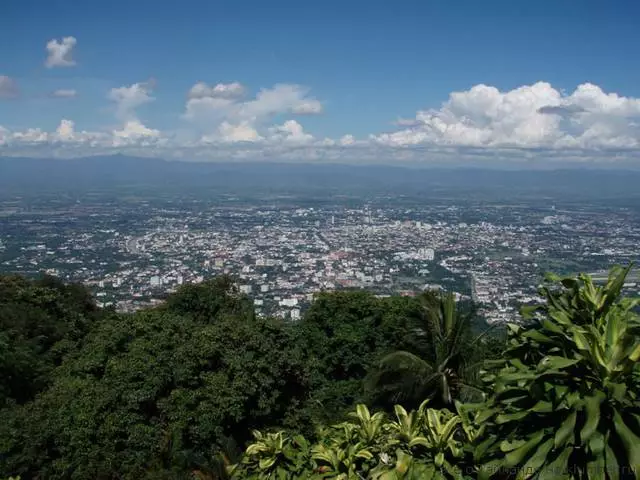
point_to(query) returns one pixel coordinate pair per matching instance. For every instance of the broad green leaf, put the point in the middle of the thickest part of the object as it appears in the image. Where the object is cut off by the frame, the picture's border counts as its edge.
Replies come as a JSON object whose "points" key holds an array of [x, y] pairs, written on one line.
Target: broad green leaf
{"points": [[255, 448], [618, 391], [581, 340], [516, 457], [595, 468], [630, 440], [566, 430], [611, 463], [366, 454], [419, 441], [363, 412], [556, 468], [592, 414], [556, 362], [537, 336], [542, 407], [485, 415], [486, 471], [449, 427], [482, 448], [266, 463], [547, 324], [536, 460], [510, 445], [509, 417], [613, 328], [614, 285], [635, 354], [597, 443]]}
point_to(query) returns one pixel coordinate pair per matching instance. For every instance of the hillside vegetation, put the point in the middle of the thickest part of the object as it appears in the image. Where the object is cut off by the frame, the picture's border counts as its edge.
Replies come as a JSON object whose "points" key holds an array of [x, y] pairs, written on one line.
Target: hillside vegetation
{"points": [[200, 387]]}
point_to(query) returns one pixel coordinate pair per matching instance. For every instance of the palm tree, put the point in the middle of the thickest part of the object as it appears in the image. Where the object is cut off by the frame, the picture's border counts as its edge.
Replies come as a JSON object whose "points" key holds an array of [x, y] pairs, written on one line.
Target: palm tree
{"points": [[445, 366]]}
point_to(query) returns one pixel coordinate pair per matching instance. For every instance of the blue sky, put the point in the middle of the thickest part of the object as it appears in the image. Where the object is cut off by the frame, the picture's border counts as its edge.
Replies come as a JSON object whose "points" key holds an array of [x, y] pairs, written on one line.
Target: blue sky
{"points": [[337, 77]]}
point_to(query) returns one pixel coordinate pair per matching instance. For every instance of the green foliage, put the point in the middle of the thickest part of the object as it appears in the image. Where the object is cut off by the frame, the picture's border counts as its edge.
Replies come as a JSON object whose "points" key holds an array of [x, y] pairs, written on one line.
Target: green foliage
{"points": [[423, 444], [565, 398], [174, 392], [275, 455], [345, 334], [156, 392], [41, 321], [210, 300], [445, 364]]}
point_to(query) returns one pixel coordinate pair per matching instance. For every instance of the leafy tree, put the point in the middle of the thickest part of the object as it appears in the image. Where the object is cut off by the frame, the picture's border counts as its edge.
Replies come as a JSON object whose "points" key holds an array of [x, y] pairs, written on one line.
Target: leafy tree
{"points": [[41, 321], [209, 300], [340, 332], [157, 395], [565, 397], [446, 361]]}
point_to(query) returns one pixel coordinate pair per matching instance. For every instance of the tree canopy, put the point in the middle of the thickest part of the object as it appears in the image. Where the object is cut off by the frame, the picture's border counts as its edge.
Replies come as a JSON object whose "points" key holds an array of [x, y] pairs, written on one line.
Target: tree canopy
{"points": [[201, 387]]}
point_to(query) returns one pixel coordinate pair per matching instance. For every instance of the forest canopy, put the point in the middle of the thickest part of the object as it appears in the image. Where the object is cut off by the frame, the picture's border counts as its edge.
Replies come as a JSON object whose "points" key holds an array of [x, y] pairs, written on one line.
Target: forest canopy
{"points": [[201, 387]]}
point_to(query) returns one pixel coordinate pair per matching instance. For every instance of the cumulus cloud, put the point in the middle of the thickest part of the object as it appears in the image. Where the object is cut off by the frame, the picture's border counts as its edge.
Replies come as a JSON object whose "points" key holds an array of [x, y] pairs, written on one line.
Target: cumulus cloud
{"points": [[531, 116], [221, 90], [220, 112], [347, 140], [64, 93], [4, 135], [59, 53], [8, 87], [290, 131], [134, 132], [243, 132], [65, 130], [308, 107], [282, 98], [532, 123], [127, 99]]}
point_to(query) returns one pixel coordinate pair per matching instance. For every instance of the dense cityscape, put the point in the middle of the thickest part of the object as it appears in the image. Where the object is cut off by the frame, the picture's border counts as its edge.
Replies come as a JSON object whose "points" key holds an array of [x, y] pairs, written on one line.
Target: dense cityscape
{"points": [[132, 252]]}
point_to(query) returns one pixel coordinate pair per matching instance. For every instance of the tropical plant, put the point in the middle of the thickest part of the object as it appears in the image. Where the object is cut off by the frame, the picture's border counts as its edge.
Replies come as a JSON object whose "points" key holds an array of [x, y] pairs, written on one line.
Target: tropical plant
{"points": [[433, 438], [275, 455], [446, 368], [353, 447], [421, 444], [565, 398]]}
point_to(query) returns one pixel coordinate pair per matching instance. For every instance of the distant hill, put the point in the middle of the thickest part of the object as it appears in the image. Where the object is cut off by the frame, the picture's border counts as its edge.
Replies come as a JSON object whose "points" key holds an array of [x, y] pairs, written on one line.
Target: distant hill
{"points": [[22, 175]]}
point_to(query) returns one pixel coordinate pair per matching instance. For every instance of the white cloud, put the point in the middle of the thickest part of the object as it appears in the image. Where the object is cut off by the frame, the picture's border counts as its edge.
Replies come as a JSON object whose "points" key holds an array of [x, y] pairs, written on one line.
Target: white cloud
{"points": [[242, 132], [221, 115], [59, 54], [64, 93], [8, 87], [347, 140], [282, 98], [307, 107], [134, 132], [532, 123], [4, 135], [531, 116], [30, 136], [221, 90], [290, 131], [127, 99], [65, 130]]}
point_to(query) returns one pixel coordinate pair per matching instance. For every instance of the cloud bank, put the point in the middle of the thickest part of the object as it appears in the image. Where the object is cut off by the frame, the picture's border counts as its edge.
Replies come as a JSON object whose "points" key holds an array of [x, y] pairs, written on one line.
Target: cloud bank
{"points": [[223, 121]]}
